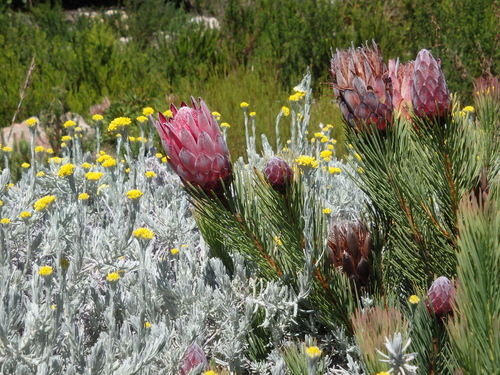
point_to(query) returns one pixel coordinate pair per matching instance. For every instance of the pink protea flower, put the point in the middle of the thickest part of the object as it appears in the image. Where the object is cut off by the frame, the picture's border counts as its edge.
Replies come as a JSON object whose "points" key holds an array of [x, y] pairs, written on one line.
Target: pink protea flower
{"points": [[429, 94], [362, 86], [278, 173], [401, 76], [440, 297], [195, 148], [193, 358]]}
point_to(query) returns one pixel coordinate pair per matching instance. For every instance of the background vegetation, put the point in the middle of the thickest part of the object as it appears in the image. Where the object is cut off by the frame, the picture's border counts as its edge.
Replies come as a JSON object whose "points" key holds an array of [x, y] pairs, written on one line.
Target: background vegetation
{"points": [[152, 54]]}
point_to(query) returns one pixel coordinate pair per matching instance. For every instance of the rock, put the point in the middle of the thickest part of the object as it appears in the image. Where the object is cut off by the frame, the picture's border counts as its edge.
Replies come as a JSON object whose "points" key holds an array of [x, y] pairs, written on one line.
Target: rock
{"points": [[11, 135]]}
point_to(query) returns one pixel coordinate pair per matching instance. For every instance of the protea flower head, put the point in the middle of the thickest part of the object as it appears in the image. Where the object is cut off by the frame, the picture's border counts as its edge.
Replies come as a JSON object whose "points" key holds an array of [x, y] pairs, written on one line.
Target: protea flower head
{"points": [[440, 297], [193, 358], [362, 86], [401, 77], [278, 173], [195, 148], [429, 94]]}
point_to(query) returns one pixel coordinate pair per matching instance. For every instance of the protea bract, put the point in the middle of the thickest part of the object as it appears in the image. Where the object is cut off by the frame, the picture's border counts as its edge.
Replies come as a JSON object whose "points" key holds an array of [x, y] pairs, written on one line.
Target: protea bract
{"points": [[278, 173], [401, 76], [440, 297], [195, 148], [362, 86], [429, 94]]}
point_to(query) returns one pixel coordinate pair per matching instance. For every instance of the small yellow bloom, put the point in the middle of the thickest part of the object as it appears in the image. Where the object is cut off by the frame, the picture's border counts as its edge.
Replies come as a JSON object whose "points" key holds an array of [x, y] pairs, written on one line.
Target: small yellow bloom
{"points": [[150, 174], [334, 170], [65, 138], [83, 196], [53, 307], [278, 241], [244, 104], [50, 151], [147, 325], [184, 245], [25, 215], [134, 194], [252, 114], [210, 373], [25, 165], [109, 163], [93, 176], [5, 221], [103, 158], [1, 203], [305, 160], [45, 271], [40, 174], [294, 98], [142, 119], [168, 113], [225, 125], [174, 251], [285, 111], [164, 159], [313, 352], [7, 149], [31, 122], [63, 144], [127, 170], [414, 299], [97, 117], [69, 124], [43, 202], [159, 155], [112, 277], [131, 139], [358, 156], [324, 139], [469, 108], [327, 211], [86, 166], [383, 373], [55, 159], [330, 147], [119, 122], [144, 233], [319, 135], [148, 111], [216, 115], [326, 154], [66, 170], [39, 149]]}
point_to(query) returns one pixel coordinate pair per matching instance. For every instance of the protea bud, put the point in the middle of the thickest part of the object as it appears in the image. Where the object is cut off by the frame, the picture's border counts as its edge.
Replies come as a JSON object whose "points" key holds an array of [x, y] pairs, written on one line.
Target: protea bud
{"points": [[401, 77], [278, 173], [429, 94], [194, 357], [195, 148], [362, 86], [350, 246], [440, 297]]}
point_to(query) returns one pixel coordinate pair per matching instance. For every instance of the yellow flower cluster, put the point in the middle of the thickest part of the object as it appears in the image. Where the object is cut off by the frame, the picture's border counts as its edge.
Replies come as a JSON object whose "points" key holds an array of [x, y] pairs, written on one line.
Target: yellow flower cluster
{"points": [[5, 221], [7, 149], [144, 233], [326, 155], [31, 122], [285, 111], [150, 174], [25, 215], [148, 111], [305, 160], [119, 122], [414, 299], [55, 159], [65, 138], [39, 149], [83, 196], [142, 119], [174, 251], [45, 271], [93, 176], [313, 352], [225, 125], [69, 124], [110, 162], [327, 211], [86, 166], [25, 165], [168, 113], [244, 105], [134, 194], [334, 170], [97, 117], [43, 202], [112, 277], [66, 170]]}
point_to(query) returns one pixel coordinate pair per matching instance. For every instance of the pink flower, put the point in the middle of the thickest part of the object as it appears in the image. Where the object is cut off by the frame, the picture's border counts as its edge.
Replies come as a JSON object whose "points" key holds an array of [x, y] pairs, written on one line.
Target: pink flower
{"points": [[440, 297], [193, 358], [279, 174], [401, 76], [195, 148]]}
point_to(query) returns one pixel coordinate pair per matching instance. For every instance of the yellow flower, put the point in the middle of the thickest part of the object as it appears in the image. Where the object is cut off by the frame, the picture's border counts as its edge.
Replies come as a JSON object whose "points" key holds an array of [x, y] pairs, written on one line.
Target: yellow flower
{"points": [[40, 174], [294, 98], [324, 139], [63, 144], [69, 124], [127, 170], [134, 194], [119, 122], [144, 233], [43, 202], [109, 163], [25, 165], [7, 149], [31, 122], [305, 160], [39, 149], [244, 104], [147, 325], [164, 159], [358, 156], [326, 154], [93, 176], [414, 299], [1, 203], [66, 170], [469, 108], [140, 139], [25, 215], [318, 134], [55, 159], [330, 147], [131, 139], [216, 115], [45, 271], [210, 373], [334, 170], [184, 245], [5, 221], [159, 155], [86, 166], [50, 151], [65, 138], [97, 117], [103, 158], [313, 352], [83, 196], [148, 111], [225, 125], [383, 373], [168, 113], [285, 111], [150, 174], [278, 241], [252, 114], [112, 277], [142, 119], [174, 250], [327, 211]]}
